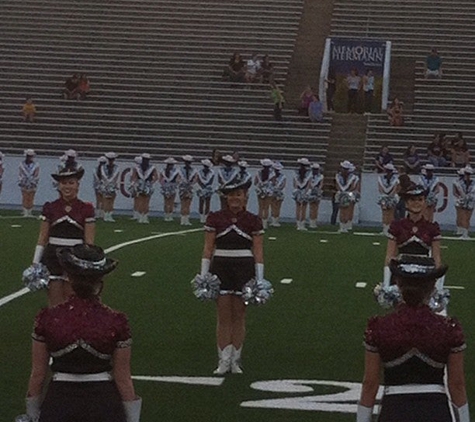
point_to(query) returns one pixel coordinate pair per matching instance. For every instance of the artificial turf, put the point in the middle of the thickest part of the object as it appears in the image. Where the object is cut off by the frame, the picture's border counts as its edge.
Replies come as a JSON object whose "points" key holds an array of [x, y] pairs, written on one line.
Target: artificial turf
{"points": [[311, 330]]}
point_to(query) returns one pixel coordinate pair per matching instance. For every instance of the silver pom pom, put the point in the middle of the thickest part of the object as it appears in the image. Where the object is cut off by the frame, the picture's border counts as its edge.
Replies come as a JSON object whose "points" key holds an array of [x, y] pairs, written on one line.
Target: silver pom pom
{"points": [[257, 292], [439, 300], [23, 418], [36, 277], [206, 287], [387, 296]]}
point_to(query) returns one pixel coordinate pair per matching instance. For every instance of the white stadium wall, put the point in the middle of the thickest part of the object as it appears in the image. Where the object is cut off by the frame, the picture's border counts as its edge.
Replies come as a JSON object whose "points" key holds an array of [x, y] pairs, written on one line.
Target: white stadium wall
{"points": [[368, 211]]}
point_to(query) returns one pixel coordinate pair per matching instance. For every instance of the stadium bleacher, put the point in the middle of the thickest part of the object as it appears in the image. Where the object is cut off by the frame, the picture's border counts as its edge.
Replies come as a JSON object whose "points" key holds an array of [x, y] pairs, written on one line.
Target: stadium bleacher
{"points": [[155, 70], [414, 27]]}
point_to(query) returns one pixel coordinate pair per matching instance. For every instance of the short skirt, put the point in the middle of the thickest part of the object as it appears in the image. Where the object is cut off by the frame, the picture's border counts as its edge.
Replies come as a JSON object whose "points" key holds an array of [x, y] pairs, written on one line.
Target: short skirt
{"points": [[234, 273], [433, 407], [82, 402]]}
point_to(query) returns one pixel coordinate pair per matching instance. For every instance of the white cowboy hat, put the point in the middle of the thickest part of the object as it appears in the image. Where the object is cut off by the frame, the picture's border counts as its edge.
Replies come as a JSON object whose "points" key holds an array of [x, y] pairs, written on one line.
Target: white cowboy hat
{"points": [[71, 153], [138, 159], [242, 163], [389, 166], [428, 167], [187, 157], [207, 162], [110, 155], [146, 155], [467, 170], [170, 160], [29, 152], [228, 158], [315, 166], [266, 162], [102, 159], [304, 161], [347, 165], [277, 165]]}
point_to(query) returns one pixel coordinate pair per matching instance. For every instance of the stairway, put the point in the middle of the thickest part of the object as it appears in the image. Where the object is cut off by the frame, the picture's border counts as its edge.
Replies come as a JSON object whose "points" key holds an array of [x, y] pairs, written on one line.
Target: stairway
{"points": [[347, 142]]}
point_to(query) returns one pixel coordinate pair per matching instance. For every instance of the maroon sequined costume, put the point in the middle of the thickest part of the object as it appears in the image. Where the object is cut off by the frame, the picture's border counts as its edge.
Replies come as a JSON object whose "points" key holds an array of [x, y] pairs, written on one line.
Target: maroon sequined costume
{"points": [[414, 238], [81, 336], [414, 345], [67, 221], [233, 261]]}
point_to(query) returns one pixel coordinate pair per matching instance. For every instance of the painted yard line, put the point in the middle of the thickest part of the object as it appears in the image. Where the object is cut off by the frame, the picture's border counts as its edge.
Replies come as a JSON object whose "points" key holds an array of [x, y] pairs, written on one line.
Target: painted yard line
{"points": [[210, 381], [6, 299], [9, 298], [455, 287], [458, 238]]}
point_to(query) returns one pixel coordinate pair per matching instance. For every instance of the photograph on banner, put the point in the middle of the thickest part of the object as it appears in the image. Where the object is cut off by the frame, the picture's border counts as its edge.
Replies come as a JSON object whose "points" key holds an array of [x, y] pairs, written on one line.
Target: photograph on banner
{"points": [[357, 67]]}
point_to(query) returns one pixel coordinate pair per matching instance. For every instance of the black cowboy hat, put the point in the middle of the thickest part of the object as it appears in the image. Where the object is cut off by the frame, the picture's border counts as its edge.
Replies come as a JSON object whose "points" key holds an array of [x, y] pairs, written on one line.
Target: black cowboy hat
{"points": [[86, 260], [235, 185], [416, 267], [411, 190], [66, 173]]}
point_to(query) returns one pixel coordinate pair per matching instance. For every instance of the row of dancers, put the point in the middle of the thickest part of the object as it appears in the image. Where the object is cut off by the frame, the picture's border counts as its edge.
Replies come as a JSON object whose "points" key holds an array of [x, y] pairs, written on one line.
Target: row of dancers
{"points": [[183, 180]]}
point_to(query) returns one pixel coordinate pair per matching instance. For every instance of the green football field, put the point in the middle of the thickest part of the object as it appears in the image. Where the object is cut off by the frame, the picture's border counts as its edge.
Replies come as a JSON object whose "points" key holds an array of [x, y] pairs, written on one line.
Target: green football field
{"points": [[303, 356]]}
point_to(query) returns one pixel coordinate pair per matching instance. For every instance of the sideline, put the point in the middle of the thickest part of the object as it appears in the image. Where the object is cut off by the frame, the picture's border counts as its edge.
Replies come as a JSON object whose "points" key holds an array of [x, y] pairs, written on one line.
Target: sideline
{"points": [[21, 292]]}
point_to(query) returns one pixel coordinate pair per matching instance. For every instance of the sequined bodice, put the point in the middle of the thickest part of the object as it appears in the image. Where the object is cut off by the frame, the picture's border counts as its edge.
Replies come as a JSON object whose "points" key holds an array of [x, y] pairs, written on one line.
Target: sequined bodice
{"points": [[82, 332], [414, 344]]}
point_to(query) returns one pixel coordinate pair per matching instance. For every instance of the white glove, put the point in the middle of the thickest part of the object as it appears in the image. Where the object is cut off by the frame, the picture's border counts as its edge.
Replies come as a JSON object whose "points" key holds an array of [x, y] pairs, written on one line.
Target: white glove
{"points": [[33, 407], [132, 409], [38, 254], [259, 272], [386, 277], [462, 413], [363, 414], [205, 263]]}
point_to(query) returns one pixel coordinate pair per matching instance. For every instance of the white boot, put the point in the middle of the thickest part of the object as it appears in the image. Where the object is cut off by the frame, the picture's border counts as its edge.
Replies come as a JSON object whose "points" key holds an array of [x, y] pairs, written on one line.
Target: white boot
{"points": [[135, 216], [439, 284], [203, 218], [459, 230], [313, 224], [187, 220], [275, 222], [224, 364], [236, 361], [145, 218], [110, 218], [349, 225], [343, 228], [182, 220], [385, 229], [465, 234], [302, 225], [264, 223], [24, 213]]}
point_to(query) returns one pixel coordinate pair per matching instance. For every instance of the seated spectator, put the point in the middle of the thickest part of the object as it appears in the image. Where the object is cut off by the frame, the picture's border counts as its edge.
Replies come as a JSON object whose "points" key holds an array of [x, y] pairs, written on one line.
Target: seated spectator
{"points": [[446, 148], [395, 113], [216, 157], [315, 110], [383, 158], [71, 87], [29, 111], [253, 69], [460, 152], [433, 65], [306, 97], [236, 69], [435, 152], [83, 86], [412, 161], [267, 70]]}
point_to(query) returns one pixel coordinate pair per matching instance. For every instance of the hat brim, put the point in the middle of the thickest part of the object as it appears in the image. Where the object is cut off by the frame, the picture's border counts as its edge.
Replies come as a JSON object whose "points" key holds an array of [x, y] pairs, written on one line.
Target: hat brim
{"points": [[75, 174], [236, 186], [75, 266], [415, 271]]}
